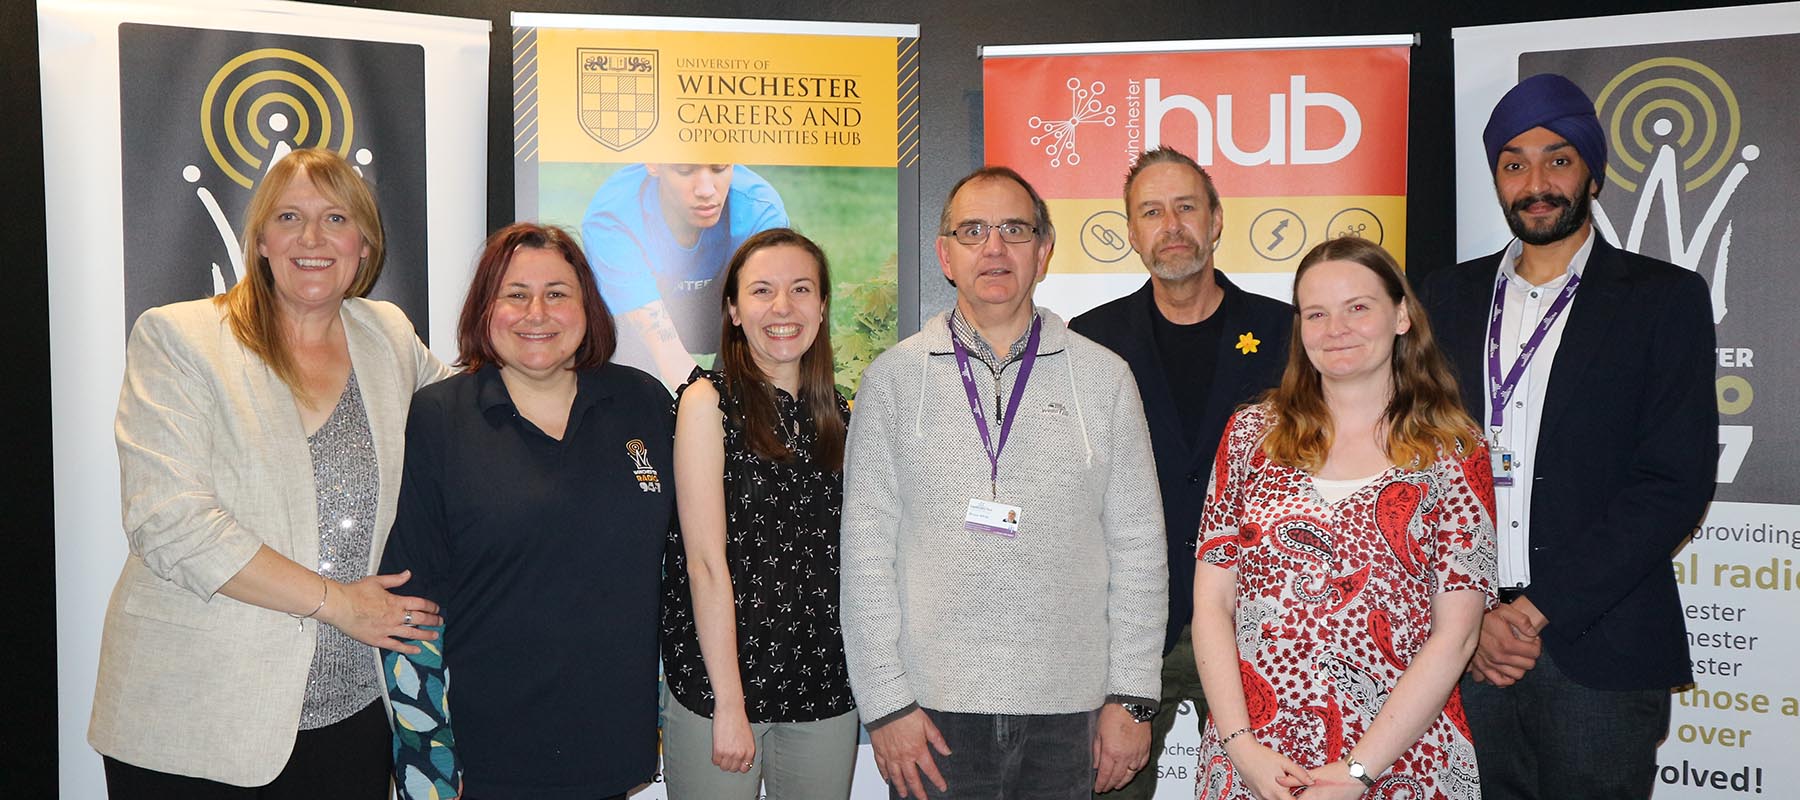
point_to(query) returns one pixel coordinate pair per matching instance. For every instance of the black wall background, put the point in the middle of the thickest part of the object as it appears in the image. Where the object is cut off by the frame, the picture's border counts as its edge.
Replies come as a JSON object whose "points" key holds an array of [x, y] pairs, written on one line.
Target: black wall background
{"points": [[950, 81]]}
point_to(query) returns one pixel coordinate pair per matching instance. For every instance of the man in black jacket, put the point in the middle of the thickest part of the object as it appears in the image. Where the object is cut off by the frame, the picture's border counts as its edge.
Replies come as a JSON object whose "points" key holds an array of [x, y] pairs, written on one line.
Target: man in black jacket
{"points": [[1591, 370], [1199, 347]]}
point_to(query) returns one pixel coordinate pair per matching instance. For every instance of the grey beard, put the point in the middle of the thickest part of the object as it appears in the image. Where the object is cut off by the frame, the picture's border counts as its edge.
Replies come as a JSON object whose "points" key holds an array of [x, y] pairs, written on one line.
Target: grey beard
{"points": [[1185, 269]]}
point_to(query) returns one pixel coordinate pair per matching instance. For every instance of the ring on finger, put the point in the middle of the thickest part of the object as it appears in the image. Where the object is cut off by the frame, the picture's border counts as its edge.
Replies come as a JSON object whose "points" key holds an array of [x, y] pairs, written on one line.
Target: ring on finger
{"points": [[407, 620]]}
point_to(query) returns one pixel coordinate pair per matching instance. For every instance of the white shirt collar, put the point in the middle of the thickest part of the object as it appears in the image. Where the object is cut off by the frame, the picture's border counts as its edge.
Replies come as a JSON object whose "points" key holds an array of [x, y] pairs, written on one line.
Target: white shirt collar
{"points": [[1509, 264]]}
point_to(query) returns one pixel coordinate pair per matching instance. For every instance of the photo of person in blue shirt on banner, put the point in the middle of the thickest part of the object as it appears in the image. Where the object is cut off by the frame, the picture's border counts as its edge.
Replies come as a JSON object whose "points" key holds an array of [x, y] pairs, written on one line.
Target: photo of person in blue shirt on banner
{"points": [[658, 236]]}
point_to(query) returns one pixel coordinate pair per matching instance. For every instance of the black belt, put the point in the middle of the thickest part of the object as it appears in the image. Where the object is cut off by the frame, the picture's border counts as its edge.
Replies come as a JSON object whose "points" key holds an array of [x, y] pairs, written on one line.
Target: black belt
{"points": [[1511, 593]]}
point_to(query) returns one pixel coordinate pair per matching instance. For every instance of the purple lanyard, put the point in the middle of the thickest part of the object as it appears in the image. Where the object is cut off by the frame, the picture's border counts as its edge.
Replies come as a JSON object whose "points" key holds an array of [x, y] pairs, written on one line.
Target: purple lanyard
{"points": [[1012, 404], [1501, 391]]}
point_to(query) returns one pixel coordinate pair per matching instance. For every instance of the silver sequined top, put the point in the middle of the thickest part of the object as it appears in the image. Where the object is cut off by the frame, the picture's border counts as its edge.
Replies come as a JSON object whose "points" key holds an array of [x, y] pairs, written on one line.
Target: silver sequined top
{"points": [[343, 679]]}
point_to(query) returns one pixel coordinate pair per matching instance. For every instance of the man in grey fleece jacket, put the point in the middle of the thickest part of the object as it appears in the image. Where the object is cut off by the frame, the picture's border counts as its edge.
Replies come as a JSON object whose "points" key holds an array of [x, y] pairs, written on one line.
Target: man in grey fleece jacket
{"points": [[1004, 592]]}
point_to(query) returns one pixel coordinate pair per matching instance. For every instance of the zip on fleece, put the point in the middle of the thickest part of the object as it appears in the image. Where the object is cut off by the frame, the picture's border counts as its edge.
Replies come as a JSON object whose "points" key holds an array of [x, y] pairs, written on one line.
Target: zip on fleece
{"points": [[1087, 447]]}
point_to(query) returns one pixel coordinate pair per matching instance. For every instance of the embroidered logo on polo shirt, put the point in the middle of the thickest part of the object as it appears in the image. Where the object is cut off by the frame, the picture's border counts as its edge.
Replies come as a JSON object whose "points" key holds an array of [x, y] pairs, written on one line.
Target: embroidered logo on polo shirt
{"points": [[647, 477]]}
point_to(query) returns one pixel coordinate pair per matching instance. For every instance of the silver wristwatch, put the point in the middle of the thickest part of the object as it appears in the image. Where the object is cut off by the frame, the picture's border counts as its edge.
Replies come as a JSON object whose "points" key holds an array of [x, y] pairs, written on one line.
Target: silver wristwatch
{"points": [[1358, 771], [1140, 712]]}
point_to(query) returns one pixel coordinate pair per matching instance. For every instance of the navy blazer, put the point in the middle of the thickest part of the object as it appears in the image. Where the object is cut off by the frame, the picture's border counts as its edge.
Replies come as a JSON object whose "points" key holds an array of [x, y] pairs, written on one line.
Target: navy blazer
{"points": [[1626, 454], [1124, 327]]}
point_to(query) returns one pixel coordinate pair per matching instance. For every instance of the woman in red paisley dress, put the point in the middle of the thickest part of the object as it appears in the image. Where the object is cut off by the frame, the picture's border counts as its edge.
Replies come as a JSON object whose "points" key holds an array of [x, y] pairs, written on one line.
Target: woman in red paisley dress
{"points": [[1347, 553]]}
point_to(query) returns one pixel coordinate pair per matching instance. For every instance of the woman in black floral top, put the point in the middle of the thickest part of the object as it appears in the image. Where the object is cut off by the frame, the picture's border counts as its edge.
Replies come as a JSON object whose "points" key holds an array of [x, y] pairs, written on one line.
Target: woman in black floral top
{"points": [[752, 647]]}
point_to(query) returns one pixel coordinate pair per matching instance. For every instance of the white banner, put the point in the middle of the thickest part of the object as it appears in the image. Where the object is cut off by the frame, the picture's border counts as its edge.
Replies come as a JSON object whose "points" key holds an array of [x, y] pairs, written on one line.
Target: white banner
{"points": [[170, 111], [1701, 129]]}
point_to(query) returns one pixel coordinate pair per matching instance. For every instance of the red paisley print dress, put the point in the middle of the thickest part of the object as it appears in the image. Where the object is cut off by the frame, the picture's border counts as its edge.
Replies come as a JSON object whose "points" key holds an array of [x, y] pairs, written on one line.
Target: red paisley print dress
{"points": [[1334, 600]]}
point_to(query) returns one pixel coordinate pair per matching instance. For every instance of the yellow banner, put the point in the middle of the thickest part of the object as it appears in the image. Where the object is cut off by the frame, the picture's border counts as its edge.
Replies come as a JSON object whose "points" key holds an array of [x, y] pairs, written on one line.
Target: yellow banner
{"points": [[664, 97], [1262, 234]]}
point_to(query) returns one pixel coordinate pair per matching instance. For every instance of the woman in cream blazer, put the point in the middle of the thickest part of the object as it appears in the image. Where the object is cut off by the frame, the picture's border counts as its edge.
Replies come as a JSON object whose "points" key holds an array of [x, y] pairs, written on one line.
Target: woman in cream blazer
{"points": [[207, 656]]}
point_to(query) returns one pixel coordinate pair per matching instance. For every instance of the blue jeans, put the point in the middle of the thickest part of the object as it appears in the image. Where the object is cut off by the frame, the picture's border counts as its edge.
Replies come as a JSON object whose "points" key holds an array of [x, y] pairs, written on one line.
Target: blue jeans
{"points": [[1014, 757], [1548, 737]]}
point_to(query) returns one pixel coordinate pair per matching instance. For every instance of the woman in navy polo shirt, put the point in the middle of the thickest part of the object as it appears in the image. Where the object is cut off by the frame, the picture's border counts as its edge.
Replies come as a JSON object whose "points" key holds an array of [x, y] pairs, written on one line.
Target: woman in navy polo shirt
{"points": [[533, 508]]}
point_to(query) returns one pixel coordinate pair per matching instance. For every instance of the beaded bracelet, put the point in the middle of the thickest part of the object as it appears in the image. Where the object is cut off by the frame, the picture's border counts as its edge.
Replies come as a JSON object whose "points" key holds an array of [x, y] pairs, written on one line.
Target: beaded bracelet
{"points": [[1234, 735], [325, 586]]}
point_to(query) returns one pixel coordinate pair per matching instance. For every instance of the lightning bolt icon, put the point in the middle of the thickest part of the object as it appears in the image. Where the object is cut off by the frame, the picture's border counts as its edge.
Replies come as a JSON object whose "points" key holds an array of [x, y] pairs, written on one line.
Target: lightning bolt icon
{"points": [[1279, 238]]}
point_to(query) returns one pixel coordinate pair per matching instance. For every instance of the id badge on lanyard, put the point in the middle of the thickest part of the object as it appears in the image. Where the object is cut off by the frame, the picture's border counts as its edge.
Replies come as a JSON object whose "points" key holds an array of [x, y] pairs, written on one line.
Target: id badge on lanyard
{"points": [[1500, 391], [992, 516]]}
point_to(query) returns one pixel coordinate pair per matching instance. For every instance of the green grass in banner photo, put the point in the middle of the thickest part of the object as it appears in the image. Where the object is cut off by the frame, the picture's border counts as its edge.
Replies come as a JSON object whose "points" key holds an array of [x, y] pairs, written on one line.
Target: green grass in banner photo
{"points": [[849, 211]]}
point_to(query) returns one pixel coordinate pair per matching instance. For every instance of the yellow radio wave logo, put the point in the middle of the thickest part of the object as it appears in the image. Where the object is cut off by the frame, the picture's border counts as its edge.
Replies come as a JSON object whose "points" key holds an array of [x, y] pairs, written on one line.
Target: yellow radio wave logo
{"points": [[273, 84], [1653, 96]]}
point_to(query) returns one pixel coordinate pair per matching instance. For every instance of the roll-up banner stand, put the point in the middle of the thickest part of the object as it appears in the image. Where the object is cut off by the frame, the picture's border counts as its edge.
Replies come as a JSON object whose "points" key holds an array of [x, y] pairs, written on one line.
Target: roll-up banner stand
{"points": [[763, 123], [758, 124], [1700, 122], [159, 118], [1305, 139]]}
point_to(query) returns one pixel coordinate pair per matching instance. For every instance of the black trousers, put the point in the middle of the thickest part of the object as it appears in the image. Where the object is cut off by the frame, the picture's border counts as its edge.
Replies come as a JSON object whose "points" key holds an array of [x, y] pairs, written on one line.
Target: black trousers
{"points": [[347, 760]]}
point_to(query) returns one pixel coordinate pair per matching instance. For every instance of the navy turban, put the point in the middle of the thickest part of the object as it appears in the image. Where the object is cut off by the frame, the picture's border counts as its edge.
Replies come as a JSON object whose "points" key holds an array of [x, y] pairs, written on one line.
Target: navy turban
{"points": [[1556, 104]]}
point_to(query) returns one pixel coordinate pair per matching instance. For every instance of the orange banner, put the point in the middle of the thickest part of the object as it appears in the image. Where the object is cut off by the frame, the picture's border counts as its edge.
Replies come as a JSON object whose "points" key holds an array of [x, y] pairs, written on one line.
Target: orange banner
{"points": [[1306, 144]]}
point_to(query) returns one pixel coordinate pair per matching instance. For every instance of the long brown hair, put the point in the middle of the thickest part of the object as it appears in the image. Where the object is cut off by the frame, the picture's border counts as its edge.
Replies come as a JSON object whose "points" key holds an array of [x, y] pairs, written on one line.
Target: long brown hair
{"points": [[250, 303], [1424, 417], [597, 341], [746, 381]]}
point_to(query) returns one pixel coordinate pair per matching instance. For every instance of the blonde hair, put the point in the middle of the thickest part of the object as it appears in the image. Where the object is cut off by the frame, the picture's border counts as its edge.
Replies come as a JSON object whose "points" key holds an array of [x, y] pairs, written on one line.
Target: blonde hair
{"points": [[250, 305], [1424, 417]]}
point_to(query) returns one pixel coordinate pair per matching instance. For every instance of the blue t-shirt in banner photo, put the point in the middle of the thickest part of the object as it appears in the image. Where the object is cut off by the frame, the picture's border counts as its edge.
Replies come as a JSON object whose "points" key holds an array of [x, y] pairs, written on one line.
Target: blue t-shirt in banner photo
{"points": [[638, 257]]}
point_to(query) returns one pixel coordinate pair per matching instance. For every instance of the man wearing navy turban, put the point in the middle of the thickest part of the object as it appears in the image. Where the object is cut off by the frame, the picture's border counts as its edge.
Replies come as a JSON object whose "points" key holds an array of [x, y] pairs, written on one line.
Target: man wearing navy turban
{"points": [[1591, 369]]}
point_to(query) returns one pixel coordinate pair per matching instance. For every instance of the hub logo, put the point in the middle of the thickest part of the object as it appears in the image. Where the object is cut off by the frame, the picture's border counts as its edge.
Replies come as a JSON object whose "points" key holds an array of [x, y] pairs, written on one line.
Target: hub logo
{"points": [[1316, 122], [1287, 125], [1085, 108]]}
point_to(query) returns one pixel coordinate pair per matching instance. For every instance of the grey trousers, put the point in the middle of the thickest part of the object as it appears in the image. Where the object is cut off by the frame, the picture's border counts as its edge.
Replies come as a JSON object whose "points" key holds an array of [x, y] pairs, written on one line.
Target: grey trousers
{"points": [[794, 760]]}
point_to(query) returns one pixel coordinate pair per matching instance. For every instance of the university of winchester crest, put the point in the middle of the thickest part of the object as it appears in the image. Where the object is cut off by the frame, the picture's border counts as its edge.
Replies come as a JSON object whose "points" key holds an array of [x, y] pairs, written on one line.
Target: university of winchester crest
{"points": [[617, 94]]}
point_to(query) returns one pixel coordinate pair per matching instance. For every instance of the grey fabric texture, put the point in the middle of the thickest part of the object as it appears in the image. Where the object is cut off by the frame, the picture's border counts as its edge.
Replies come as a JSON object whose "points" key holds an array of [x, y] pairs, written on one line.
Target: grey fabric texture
{"points": [[1051, 621]]}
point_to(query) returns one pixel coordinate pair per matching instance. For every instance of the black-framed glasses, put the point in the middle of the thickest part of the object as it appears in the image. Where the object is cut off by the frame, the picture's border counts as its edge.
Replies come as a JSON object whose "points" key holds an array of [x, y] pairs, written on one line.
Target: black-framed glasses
{"points": [[974, 233]]}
